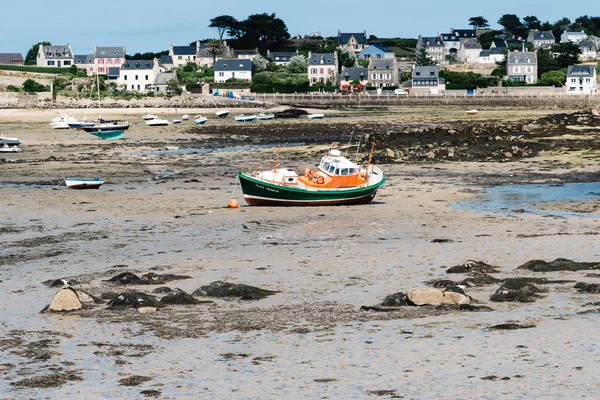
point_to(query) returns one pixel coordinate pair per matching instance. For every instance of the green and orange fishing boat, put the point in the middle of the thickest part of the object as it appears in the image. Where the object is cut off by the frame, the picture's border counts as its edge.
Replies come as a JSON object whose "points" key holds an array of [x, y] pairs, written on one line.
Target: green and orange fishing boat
{"points": [[336, 181]]}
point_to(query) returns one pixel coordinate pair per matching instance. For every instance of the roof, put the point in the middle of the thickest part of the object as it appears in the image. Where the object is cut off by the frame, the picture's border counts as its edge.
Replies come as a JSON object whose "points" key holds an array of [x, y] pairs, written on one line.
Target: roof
{"points": [[238, 53], [109, 52], [61, 51], [522, 57], [426, 70], [465, 33], [353, 73], [491, 52], [381, 63], [321, 58], [543, 35], [380, 46], [163, 77], [500, 43], [344, 38], [113, 72], [165, 60], [233, 64], [449, 37], [497, 50], [581, 70], [587, 43], [574, 33], [471, 46], [7, 58], [84, 59], [432, 41], [138, 64], [184, 50], [281, 56]]}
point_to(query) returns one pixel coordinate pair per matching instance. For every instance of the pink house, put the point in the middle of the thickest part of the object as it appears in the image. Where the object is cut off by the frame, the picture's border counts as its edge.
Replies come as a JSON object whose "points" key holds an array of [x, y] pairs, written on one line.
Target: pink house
{"points": [[322, 68], [108, 57]]}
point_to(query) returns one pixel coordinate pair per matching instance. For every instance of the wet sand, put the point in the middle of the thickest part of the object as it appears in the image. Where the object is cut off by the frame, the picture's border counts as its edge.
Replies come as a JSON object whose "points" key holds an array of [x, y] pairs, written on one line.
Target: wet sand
{"points": [[166, 214]]}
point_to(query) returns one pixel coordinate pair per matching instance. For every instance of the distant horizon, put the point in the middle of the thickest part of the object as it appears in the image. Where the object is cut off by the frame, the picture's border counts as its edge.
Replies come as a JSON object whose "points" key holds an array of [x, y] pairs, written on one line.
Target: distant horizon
{"points": [[148, 33]]}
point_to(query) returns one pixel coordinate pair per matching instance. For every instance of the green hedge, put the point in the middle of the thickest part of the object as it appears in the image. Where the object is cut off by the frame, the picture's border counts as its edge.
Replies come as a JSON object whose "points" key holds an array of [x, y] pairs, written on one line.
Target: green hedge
{"points": [[45, 70], [230, 85], [279, 88]]}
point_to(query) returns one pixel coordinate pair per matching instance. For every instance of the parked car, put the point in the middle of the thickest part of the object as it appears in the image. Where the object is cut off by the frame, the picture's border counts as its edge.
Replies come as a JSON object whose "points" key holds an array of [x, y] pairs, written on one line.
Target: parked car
{"points": [[400, 92]]}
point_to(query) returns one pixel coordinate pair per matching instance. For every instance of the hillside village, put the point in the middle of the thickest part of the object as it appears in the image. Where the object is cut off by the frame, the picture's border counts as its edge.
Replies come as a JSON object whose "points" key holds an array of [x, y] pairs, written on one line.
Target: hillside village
{"points": [[352, 62]]}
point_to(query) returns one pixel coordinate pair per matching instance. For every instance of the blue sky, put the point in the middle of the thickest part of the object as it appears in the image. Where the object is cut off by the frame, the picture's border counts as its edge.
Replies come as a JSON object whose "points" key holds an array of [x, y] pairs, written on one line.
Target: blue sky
{"points": [[152, 25]]}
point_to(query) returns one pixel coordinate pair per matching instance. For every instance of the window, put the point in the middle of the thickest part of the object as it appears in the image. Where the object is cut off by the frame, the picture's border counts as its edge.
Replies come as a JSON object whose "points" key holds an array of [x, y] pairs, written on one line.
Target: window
{"points": [[418, 73], [67, 62], [314, 80], [529, 69], [179, 57], [109, 61], [101, 69], [117, 61], [132, 87], [388, 76], [241, 65], [374, 76], [146, 77], [139, 87], [431, 73], [50, 62], [221, 73], [321, 71], [124, 77], [313, 71], [102, 53], [136, 77]]}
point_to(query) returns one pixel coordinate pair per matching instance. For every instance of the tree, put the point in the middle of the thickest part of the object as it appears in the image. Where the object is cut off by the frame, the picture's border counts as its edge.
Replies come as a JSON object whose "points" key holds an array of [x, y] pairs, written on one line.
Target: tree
{"points": [[554, 78], [174, 87], [260, 63], [532, 22], [591, 25], [486, 39], [512, 24], [422, 57], [566, 54], [345, 59], [363, 62], [31, 57], [560, 26], [214, 48], [298, 64], [478, 22], [224, 24], [31, 86], [263, 31]]}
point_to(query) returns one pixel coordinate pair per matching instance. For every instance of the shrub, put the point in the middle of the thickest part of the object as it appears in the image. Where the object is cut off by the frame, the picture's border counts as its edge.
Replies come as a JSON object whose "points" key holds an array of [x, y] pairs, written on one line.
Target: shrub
{"points": [[12, 88], [31, 86], [27, 68]]}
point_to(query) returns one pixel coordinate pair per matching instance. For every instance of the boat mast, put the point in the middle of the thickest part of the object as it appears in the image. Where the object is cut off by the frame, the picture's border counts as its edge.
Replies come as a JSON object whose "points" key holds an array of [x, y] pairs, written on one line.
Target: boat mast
{"points": [[277, 158], [98, 84], [370, 155]]}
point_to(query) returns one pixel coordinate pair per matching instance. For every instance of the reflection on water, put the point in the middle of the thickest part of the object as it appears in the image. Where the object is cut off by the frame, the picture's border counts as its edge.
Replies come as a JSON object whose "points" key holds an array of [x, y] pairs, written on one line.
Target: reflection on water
{"points": [[527, 198]]}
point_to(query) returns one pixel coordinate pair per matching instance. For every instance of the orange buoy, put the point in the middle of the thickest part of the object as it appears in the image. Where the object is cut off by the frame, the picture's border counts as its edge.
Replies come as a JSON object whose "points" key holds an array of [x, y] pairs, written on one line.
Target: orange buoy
{"points": [[233, 203]]}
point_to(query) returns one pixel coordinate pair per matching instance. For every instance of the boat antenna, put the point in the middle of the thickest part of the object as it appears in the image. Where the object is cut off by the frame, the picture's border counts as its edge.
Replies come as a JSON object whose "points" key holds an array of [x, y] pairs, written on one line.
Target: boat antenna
{"points": [[349, 142], [357, 150], [370, 155], [277, 158], [98, 84]]}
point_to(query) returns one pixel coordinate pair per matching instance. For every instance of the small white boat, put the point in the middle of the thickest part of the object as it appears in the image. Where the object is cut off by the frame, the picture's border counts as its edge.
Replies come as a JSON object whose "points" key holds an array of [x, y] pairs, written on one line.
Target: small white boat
{"points": [[148, 117], [470, 112], [176, 121], [222, 113], [263, 117], [62, 121], [245, 118], [157, 122], [316, 116], [9, 145], [200, 120], [185, 117], [77, 183]]}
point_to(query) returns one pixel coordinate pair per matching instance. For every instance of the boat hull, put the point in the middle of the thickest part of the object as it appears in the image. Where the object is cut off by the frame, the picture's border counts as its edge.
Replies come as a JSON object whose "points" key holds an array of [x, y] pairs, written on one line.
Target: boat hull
{"points": [[80, 184], [108, 135], [260, 193]]}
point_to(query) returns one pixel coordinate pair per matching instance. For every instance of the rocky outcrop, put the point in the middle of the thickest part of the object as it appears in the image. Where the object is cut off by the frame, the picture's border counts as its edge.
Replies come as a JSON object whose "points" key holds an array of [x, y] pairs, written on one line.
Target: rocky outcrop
{"points": [[226, 289], [131, 300], [178, 296], [517, 290], [66, 299], [588, 287], [472, 267], [560, 264], [128, 278]]}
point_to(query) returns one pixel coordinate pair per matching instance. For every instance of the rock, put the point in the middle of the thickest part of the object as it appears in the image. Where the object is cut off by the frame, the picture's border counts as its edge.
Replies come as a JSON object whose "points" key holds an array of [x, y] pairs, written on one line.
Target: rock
{"points": [[290, 113], [154, 279], [226, 289], [178, 296], [469, 307], [65, 300], [84, 297], [126, 278], [530, 127], [59, 282], [390, 153], [510, 326], [441, 283], [147, 310], [162, 289], [471, 267], [398, 299], [479, 280], [588, 287], [516, 290], [132, 299], [455, 289], [560, 264], [430, 296]]}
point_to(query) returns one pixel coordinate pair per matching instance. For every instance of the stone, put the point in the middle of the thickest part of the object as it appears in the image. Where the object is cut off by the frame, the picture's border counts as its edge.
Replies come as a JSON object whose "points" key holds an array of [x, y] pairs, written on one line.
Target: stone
{"points": [[395, 300], [517, 290], [560, 264], [65, 300], [472, 267], [431, 296], [588, 287], [126, 278], [226, 289], [132, 299], [178, 296], [84, 297], [479, 280], [162, 289], [147, 310], [390, 153]]}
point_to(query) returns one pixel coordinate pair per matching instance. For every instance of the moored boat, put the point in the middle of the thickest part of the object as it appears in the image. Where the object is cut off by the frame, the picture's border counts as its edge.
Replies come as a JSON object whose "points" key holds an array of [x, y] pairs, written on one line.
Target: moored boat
{"points": [[222, 113], [176, 121], [9, 145], [77, 183], [263, 116], [245, 118], [185, 117], [470, 112], [316, 116], [148, 117], [200, 120], [157, 122], [337, 181]]}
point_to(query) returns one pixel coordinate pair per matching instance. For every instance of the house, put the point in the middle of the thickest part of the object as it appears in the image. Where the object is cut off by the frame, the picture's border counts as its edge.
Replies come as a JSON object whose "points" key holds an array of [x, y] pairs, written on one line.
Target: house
{"points": [[113, 74], [108, 57], [383, 72], [281, 57], [322, 68], [181, 55], [206, 58], [521, 66], [451, 43], [138, 75], [55, 56], [435, 48], [574, 37], [353, 42], [233, 68], [499, 44], [464, 35], [469, 52], [492, 56], [541, 39], [353, 74], [427, 78], [11, 59], [161, 81], [245, 54], [376, 50], [581, 79], [589, 50], [166, 62], [85, 62]]}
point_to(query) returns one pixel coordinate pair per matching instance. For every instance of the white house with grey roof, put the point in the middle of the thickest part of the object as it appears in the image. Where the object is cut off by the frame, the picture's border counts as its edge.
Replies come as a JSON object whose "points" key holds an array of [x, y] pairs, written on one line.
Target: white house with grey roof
{"points": [[161, 81], [108, 57], [464, 35], [383, 72], [281, 57], [492, 56], [581, 79], [573, 37], [589, 50], [521, 66], [451, 42], [435, 48], [426, 79], [233, 68], [55, 56], [85, 62], [138, 75], [322, 68], [181, 55], [541, 39], [245, 54], [469, 52]]}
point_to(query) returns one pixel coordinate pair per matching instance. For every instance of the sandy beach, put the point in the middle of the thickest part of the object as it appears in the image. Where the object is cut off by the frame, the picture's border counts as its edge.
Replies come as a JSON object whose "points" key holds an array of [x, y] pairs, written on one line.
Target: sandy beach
{"points": [[163, 210]]}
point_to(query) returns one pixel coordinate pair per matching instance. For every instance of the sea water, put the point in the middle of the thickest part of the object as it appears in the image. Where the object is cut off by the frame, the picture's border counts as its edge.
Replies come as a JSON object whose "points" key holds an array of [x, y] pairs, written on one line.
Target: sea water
{"points": [[512, 199]]}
